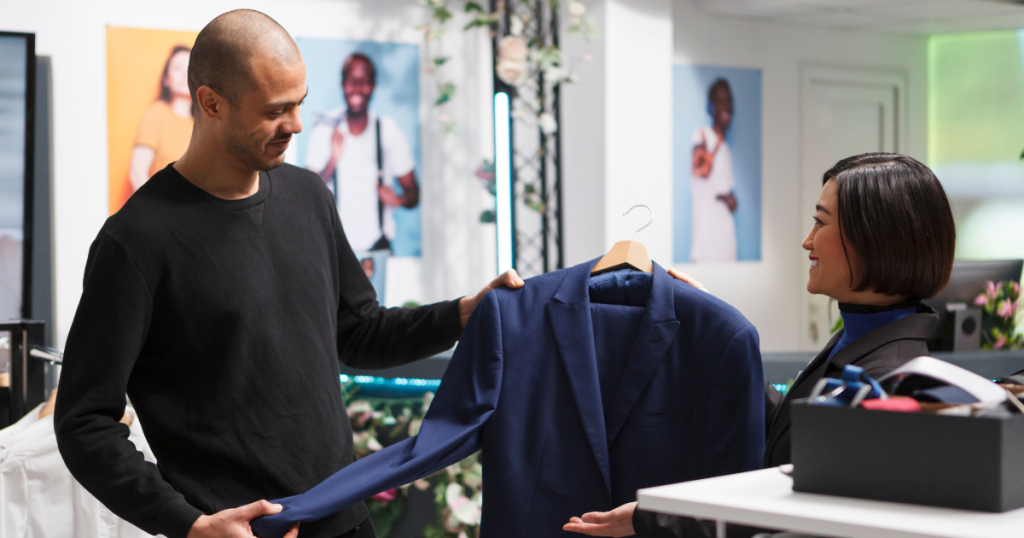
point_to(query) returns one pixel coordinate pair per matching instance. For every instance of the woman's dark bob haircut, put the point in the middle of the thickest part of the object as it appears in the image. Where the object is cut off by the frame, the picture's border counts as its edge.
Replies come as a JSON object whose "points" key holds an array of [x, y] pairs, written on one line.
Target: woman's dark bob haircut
{"points": [[895, 215]]}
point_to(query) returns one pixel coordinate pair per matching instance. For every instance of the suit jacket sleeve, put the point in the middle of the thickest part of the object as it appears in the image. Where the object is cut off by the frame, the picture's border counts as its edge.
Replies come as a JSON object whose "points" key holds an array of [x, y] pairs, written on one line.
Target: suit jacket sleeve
{"points": [[450, 432], [373, 337], [735, 436]]}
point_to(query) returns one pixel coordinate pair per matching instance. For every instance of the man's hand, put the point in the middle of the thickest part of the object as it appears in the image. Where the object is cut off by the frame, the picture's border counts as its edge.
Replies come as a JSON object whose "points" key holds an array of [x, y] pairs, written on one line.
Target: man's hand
{"points": [[618, 522], [389, 196], [729, 200], [466, 305], [234, 522], [688, 279]]}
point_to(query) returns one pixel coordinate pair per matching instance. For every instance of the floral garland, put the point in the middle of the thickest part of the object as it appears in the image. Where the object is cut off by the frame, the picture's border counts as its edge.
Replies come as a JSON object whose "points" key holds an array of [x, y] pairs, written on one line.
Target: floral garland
{"points": [[458, 492], [1001, 304]]}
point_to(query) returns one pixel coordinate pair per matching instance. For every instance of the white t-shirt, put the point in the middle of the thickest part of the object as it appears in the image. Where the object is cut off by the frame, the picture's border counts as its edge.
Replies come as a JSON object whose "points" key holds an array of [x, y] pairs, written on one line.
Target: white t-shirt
{"points": [[356, 173], [714, 227]]}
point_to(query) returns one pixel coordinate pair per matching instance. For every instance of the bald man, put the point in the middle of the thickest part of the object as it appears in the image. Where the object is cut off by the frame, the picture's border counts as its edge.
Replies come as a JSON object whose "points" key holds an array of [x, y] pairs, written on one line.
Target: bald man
{"points": [[220, 298]]}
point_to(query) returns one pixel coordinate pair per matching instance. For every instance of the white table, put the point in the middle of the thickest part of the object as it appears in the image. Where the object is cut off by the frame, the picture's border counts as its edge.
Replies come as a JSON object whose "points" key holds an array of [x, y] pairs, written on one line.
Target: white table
{"points": [[766, 498]]}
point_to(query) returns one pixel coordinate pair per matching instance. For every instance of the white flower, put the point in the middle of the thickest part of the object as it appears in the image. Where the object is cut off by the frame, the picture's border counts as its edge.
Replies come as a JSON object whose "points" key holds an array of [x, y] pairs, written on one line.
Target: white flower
{"points": [[512, 47], [512, 72], [547, 122], [516, 26], [577, 9], [464, 509], [555, 74], [359, 406]]}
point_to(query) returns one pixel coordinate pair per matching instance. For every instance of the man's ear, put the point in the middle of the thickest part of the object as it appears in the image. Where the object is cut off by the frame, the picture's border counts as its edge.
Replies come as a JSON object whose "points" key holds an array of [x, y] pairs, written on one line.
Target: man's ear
{"points": [[211, 103]]}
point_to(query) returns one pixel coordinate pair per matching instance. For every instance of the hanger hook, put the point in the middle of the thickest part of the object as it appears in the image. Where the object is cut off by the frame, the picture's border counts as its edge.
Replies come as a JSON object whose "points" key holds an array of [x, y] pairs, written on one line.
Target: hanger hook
{"points": [[645, 225]]}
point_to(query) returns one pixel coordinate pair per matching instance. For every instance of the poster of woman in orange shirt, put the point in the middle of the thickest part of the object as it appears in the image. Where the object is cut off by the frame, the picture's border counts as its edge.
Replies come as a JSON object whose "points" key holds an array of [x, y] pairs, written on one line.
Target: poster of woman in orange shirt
{"points": [[149, 109], [166, 125]]}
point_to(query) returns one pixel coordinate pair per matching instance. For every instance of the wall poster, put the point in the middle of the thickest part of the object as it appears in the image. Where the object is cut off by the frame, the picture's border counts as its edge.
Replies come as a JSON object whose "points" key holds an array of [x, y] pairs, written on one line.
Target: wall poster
{"points": [[716, 121], [361, 134], [149, 109]]}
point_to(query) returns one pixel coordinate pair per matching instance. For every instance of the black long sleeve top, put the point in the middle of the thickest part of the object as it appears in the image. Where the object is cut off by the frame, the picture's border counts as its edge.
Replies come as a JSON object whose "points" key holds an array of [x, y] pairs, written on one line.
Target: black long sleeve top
{"points": [[224, 322]]}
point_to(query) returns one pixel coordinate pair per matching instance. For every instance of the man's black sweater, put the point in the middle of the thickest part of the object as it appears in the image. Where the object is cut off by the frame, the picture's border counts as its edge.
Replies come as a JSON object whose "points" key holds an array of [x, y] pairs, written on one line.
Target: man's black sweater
{"points": [[224, 322]]}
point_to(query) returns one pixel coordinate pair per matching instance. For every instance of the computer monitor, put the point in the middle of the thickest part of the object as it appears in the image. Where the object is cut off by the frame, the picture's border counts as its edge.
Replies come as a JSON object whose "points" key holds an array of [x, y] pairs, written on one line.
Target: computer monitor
{"points": [[17, 91], [966, 282]]}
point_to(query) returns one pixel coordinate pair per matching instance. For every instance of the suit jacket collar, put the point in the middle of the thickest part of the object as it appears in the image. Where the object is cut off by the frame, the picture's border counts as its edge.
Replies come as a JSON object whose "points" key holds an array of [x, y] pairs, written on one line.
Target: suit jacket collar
{"points": [[572, 325]]}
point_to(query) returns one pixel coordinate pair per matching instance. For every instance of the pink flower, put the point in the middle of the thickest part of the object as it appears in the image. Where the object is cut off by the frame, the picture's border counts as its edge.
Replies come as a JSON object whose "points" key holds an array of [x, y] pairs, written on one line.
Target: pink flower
{"points": [[991, 290], [1016, 288], [981, 300], [386, 496], [1000, 342], [1005, 309]]}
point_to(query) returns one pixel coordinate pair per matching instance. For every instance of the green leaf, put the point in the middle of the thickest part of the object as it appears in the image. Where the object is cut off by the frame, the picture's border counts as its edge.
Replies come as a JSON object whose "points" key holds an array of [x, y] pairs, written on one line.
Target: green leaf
{"points": [[440, 60], [473, 6], [481, 20], [442, 14], [445, 92]]}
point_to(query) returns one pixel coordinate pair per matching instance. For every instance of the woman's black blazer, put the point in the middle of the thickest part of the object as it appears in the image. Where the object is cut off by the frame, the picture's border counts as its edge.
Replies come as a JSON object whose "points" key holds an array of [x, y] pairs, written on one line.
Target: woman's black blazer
{"points": [[878, 353]]}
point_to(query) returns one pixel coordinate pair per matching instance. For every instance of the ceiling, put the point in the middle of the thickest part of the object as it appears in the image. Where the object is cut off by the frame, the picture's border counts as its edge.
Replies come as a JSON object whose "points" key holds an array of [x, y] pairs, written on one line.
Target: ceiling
{"points": [[903, 16]]}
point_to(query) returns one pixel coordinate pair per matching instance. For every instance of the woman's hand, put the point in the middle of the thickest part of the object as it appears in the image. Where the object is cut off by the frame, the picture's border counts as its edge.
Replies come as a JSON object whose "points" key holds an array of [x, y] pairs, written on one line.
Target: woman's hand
{"points": [[618, 522]]}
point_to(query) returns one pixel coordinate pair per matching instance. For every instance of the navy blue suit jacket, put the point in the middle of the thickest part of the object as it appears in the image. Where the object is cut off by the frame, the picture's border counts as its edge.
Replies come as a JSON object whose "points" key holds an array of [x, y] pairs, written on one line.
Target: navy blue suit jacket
{"points": [[523, 387]]}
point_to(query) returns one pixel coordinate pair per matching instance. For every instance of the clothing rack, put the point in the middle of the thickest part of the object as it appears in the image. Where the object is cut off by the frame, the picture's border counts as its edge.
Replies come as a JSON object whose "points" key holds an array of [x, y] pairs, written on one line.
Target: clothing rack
{"points": [[26, 368]]}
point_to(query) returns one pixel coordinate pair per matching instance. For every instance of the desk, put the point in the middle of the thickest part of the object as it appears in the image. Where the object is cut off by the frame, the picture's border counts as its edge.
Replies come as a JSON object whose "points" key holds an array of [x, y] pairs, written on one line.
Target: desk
{"points": [[766, 498]]}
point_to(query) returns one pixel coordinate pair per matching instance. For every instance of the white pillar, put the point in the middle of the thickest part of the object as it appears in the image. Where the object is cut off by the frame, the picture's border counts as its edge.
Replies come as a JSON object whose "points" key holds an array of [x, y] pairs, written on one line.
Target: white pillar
{"points": [[617, 131]]}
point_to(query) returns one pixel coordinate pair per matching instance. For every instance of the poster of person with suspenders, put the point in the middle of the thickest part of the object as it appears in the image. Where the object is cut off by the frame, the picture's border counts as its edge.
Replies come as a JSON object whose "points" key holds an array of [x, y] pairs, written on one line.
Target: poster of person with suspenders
{"points": [[361, 135]]}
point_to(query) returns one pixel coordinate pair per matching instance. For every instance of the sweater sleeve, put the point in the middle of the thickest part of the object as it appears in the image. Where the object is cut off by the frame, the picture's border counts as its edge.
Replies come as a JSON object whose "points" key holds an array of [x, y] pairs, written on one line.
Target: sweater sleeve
{"points": [[106, 337], [373, 337]]}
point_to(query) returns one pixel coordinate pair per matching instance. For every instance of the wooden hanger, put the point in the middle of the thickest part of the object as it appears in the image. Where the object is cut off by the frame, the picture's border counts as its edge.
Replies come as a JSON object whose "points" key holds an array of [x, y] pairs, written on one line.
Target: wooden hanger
{"points": [[625, 254]]}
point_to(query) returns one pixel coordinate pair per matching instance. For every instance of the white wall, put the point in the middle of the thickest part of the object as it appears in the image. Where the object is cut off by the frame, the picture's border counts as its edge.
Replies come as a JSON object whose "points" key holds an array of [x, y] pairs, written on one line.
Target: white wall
{"points": [[769, 292], [72, 33]]}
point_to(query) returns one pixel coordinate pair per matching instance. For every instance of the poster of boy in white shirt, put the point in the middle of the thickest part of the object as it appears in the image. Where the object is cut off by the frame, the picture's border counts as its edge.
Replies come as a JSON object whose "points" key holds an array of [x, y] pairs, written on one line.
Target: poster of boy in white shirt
{"points": [[712, 183], [357, 153]]}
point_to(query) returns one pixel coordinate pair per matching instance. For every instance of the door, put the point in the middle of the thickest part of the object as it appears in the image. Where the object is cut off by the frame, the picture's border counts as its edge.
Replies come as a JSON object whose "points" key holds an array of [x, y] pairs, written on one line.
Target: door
{"points": [[844, 112]]}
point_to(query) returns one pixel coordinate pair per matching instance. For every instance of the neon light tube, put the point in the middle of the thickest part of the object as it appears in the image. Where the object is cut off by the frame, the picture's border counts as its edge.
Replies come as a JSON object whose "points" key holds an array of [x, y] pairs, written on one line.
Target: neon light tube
{"points": [[503, 182]]}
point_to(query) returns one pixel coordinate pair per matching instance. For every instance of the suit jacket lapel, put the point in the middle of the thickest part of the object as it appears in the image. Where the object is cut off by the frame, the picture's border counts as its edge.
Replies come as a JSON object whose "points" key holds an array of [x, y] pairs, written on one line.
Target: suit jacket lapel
{"points": [[571, 323], [657, 331]]}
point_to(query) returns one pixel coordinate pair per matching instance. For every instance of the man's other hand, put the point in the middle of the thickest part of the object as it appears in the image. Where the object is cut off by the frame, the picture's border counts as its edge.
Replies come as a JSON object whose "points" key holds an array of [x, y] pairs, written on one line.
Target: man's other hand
{"points": [[509, 279], [679, 275], [234, 522], [618, 522]]}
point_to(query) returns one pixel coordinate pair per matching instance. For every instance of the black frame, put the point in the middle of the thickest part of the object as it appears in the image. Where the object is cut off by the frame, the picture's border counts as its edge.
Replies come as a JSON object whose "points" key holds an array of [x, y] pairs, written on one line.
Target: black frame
{"points": [[30, 136]]}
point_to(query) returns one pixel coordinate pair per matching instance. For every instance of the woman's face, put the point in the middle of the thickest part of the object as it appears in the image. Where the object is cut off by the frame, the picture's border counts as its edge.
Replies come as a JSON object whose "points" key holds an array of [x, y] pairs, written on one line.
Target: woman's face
{"points": [[830, 270], [177, 75]]}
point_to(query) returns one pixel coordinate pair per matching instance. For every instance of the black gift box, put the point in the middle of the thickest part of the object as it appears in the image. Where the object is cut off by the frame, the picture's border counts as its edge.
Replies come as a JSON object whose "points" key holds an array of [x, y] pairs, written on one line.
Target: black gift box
{"points": [[971, 463]]}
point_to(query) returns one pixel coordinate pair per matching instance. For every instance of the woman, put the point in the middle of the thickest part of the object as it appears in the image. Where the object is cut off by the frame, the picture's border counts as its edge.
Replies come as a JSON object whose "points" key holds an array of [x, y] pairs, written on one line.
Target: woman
{"points": [[883, 238], [166, 125]]}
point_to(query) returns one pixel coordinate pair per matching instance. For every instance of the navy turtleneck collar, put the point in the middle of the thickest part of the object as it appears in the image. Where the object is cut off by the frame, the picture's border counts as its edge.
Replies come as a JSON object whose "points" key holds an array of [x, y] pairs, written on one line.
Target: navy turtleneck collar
{"points": [[859, 320]]}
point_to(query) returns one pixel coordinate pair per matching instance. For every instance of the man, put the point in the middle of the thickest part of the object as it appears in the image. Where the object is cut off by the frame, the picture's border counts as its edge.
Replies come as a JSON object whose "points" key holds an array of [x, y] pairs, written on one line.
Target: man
{"points": [[220, 298], [712, 183], [357, 152]]}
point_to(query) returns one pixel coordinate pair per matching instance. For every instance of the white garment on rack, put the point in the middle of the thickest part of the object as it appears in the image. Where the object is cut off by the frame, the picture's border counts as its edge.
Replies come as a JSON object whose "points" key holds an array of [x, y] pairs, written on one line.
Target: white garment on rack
{"points": [[38, 496]]}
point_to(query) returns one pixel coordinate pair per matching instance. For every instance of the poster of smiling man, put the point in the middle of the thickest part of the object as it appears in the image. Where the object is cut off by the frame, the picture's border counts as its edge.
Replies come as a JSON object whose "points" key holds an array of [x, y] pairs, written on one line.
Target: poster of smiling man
{"points": [[717, 164], [361, 135]]}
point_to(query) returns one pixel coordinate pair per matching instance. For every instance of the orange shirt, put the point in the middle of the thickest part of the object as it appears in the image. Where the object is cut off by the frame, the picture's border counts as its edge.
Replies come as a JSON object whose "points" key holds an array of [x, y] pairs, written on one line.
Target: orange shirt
{"points": [[164, 131]]}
